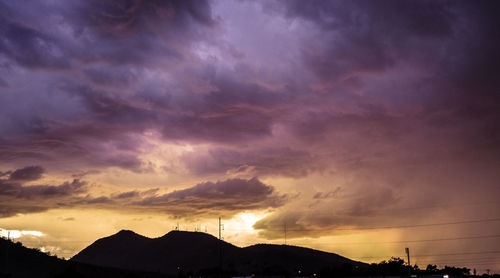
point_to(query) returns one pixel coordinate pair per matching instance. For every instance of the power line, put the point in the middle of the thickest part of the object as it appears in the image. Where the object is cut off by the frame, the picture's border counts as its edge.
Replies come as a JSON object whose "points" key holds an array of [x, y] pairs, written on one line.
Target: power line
{"points": [[465, 259], [441, 239], [396, 242], [385, 227], [440, 205], [396, 209], [417, 240], [455, 254], [466, 264], [435, 255], [492, 261]]}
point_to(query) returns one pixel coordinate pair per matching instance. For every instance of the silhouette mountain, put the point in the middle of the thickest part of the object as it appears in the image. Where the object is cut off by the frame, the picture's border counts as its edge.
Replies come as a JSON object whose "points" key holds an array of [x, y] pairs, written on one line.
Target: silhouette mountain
{"points": [[180, 252], [19, 261]]}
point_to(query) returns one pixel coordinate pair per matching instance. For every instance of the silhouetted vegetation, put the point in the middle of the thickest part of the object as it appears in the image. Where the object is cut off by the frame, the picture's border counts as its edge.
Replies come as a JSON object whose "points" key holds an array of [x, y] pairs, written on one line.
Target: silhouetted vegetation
{"points": [[393, 267], [19, 261]]}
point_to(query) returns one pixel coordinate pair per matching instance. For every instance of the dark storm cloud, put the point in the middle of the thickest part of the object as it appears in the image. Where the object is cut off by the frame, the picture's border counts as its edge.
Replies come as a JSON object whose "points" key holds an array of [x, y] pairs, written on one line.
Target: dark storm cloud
{"points": [[234, 110], [360, 46], [135, 194], [26, 45], [129, 194], [75, 151], [376, 124], [225, 114], [16, 197], [367, 88], [112, 118], [331, 212], [108, 43], [124, 18], [10, 188], [472, 87], [111, 76], [360, 109], [480, 60], [455, 40], [224, 197], [29, 173], [228, 197], [258, 161], [369, 37], [95, 200], [113, 110], [8, 210], [369, 204], [326, 195], [3, 83], [131, 31], [116, 32], [414, 18], [230, 126]]}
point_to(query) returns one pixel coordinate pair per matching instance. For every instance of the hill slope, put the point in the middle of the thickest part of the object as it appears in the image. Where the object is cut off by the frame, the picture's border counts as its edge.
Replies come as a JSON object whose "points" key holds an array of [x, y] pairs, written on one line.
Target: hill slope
{"points": [[194, 252], [167, 254], [17, 261]]}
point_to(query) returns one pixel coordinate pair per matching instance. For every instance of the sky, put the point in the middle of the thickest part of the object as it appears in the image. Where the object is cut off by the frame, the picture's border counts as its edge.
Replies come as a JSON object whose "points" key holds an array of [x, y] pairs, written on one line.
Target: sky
{"points": [[354, 127]]}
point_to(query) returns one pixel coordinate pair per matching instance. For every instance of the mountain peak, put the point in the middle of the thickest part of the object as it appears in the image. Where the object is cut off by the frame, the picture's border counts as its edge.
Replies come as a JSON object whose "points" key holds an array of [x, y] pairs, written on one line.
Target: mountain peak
{"points": [[127, 234], [187, 234]]}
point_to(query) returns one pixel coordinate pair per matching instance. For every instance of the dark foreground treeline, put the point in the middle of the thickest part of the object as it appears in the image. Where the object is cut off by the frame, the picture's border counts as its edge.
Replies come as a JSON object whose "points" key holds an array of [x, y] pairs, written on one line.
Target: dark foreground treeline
{"points": [[394, 267], [17, 261]]}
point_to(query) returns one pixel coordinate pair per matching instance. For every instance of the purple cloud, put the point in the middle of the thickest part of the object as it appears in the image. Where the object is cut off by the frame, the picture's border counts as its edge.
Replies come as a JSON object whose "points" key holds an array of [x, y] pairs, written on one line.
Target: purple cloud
{"points": [[403, 94], [255, 161], [227, 197], [29, 173], [224, 197]]}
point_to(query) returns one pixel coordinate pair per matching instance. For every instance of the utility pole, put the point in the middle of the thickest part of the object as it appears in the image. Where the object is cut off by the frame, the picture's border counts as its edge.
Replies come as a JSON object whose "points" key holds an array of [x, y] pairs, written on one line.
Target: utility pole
{"points": [[407, 250], [7, 259], [285, 232], [221, 227]]}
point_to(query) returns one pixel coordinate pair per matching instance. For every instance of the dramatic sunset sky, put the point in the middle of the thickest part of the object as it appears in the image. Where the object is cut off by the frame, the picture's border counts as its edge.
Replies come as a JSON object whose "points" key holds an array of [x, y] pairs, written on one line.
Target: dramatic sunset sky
{"points": [[364, 127]]}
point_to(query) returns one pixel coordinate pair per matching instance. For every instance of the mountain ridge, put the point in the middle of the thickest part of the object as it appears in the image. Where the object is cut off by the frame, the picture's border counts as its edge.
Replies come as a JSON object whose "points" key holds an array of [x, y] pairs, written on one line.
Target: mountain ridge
{"points": [[195, 252]]}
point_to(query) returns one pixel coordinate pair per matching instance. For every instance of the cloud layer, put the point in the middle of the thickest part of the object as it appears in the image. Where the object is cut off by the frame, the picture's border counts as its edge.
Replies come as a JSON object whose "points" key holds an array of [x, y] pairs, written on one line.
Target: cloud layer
{"points": [[358, 110], [225, 198]]}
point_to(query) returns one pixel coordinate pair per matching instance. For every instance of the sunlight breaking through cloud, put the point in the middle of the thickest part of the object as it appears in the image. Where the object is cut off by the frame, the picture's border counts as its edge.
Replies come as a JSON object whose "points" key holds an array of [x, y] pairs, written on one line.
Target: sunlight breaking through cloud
{"points": [[14, 234]]}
